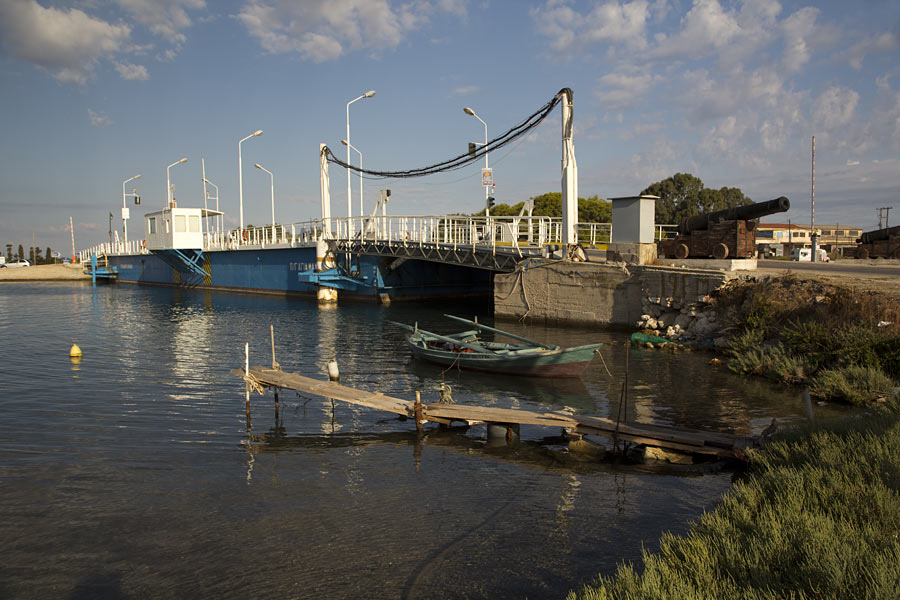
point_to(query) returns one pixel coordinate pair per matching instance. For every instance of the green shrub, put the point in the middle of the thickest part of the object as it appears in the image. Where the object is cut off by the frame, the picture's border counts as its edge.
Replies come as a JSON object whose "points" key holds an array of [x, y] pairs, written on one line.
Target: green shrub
{"points": [[818, 517], [854, 384], [773, 362], [746, 341], [888, 352]]}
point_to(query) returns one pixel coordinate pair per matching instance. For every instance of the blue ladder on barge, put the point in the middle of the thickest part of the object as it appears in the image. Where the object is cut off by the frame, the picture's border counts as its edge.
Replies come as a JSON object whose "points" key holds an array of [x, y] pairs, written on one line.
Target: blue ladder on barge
{"points": [[97, 272]]}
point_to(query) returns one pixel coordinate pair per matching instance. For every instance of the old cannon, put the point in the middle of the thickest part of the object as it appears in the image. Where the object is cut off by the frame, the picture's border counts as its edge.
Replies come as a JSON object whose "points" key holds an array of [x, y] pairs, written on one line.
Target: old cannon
{"points": [[721, 234], [880, 243]]}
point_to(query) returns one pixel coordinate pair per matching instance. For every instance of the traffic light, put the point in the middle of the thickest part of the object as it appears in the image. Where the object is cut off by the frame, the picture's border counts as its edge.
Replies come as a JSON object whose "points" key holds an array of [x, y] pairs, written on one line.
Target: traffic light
{"points": [[490, 202], [137, 200], [472, 147]]}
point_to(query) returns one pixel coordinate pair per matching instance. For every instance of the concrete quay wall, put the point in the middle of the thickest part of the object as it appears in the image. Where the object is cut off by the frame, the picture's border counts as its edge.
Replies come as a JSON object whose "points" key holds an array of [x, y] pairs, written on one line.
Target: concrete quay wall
{"points": [[597, 293]]}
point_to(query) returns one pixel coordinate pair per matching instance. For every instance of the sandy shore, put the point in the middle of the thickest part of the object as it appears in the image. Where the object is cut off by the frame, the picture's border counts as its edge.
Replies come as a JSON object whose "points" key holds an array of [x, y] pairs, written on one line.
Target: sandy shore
{"points": [[43, 273]]}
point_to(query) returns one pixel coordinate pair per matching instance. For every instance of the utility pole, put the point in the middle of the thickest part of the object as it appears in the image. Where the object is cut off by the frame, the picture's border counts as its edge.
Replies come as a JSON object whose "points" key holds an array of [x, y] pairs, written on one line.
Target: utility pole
{"points": [[813, 237], [884, 211]]}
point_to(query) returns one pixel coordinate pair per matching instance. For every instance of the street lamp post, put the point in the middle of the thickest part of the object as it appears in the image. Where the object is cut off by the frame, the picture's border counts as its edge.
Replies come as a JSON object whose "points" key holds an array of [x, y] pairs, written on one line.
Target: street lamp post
{"points": [[168, 183], [349, 145], [125, 208], [272, 192], [241, 177], [368, 94], [487, 189]]}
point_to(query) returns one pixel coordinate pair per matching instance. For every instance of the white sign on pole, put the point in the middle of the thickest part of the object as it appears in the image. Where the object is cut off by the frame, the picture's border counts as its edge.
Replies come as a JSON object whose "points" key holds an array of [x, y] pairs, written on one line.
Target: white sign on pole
{"points": [[487, 177]]}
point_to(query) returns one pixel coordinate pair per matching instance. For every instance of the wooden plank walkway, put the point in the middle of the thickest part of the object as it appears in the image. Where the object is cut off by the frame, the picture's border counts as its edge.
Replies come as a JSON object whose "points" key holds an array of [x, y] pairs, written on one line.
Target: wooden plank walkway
{"points": [[683, 440]]}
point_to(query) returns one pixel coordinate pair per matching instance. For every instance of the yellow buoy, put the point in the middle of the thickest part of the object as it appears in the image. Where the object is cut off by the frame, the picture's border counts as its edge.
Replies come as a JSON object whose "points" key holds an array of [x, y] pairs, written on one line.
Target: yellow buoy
{"points": [[75, 351]]}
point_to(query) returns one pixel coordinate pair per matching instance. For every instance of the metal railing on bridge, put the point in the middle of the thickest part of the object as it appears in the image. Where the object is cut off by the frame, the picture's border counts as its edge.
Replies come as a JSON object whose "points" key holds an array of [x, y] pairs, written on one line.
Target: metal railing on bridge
{"points": [[516, 236]]}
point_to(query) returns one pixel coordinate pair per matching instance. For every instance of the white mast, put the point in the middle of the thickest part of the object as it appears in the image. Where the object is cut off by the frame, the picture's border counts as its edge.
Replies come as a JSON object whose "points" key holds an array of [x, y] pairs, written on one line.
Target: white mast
{"points": [[569, 173]]}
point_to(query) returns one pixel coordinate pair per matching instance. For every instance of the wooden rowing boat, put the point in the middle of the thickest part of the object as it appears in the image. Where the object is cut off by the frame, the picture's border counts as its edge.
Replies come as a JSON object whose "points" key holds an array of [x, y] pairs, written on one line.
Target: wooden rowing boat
{"points": [[466, 350]]}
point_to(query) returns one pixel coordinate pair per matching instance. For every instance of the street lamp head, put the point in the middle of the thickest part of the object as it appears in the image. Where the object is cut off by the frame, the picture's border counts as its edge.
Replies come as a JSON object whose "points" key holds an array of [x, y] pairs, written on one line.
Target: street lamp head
{"points": [[257, 132], [183, 160], [257, 165], [469, 111], [138, 176], [344, 142], [369, 94]]}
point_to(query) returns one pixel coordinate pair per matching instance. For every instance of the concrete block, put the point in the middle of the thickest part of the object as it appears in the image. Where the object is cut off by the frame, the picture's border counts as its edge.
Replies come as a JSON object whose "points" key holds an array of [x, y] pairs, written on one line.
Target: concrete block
{"points": [[728, 264], [631, 253]]}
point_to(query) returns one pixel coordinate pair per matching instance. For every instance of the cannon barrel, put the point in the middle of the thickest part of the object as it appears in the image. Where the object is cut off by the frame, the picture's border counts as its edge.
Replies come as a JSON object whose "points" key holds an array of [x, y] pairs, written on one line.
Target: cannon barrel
{"points": [[737, 213], [870, 237]]}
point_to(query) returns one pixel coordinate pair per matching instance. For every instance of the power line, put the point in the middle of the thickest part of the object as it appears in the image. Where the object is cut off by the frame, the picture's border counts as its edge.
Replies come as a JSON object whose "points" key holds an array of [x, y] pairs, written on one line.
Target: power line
{"points": [[466, 158]]}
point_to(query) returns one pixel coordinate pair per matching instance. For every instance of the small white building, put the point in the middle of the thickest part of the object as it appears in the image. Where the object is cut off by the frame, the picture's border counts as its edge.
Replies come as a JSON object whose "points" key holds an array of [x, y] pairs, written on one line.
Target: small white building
{"points": [[176, 228]]}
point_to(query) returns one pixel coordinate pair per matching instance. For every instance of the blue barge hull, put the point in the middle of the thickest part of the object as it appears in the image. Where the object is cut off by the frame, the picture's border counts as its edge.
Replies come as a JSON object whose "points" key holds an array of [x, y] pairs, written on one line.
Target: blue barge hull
{"points": [[291, 271]]}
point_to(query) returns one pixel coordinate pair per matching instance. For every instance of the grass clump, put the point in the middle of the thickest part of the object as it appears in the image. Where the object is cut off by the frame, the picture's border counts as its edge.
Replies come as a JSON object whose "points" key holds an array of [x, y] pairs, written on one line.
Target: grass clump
{"points": [[774, 362], [817, 517], [853, 384]]}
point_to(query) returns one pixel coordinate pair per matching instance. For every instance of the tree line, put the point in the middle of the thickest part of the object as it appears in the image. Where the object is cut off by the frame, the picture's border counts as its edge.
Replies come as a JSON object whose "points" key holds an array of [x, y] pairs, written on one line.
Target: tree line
{"points": [[681, 195], [34, 255]]}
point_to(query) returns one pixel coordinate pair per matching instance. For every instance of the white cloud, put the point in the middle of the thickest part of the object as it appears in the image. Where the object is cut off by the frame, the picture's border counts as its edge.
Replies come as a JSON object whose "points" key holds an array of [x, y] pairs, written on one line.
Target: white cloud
{"points": [[68, 42], [165, 18], [618, 90], [797, 29], [99, 120], [467, 90], [129, 71], [852, 163], [834, 108], [609, 22], [707, 97], [884, 42], [707, 27], [324, 30]]}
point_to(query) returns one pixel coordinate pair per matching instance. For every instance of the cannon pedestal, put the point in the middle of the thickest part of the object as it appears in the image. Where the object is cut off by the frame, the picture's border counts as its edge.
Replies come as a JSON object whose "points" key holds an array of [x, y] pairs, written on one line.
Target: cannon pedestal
{"points": [[728, 239]]}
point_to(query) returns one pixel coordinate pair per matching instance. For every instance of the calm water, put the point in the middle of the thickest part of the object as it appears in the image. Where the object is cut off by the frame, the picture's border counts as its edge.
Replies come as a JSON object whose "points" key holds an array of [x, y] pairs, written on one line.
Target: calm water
{"points": [[131, 474]]}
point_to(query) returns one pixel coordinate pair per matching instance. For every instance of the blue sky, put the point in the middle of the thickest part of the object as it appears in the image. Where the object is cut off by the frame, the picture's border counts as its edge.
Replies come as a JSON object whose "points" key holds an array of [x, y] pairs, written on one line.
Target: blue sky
{"points": [[94, 92]]}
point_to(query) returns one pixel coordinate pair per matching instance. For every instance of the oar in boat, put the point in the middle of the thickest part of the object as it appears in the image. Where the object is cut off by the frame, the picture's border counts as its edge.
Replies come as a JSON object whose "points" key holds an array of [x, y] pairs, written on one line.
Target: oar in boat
{"points": [[501, 332], [474, 347]]}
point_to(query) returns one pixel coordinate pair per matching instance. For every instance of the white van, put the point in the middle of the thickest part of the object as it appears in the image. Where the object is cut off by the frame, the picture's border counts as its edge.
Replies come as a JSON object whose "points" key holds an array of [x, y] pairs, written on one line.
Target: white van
{"points": [[805, 255]]}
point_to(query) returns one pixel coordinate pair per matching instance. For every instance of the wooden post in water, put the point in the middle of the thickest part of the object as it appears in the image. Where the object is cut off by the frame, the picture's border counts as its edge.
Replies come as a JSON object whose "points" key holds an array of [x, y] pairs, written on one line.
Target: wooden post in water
{"points": [[247, 384], [274, 366], [418, 413], [272, 337], [807, 402]]}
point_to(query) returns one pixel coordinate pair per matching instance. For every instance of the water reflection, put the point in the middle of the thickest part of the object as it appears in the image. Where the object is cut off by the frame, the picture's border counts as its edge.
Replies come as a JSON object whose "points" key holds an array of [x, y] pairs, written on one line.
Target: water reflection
{"points": [[139, 456]]}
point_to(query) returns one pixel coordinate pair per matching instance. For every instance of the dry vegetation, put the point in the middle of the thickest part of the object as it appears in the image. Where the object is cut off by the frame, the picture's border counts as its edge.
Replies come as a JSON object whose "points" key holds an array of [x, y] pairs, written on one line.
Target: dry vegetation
{"points": [[841, 342]]}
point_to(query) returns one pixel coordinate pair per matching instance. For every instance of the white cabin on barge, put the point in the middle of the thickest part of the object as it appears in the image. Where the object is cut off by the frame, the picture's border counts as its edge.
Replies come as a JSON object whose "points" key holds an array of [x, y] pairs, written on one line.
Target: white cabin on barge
{"points": [[176, 228]]}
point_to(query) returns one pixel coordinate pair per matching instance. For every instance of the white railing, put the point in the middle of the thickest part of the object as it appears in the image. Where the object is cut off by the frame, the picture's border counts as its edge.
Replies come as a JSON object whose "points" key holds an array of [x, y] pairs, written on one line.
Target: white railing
{"points": [[448, 230], [451, 231]]}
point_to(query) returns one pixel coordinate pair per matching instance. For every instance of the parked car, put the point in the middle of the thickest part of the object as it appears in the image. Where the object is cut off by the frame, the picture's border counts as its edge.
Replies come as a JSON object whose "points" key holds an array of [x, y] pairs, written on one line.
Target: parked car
{"points": [[18, 263]]}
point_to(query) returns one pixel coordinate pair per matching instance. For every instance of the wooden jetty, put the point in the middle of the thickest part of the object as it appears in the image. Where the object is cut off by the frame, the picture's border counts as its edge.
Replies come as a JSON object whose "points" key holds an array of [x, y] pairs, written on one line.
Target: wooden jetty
{"points": [[681, 440]]}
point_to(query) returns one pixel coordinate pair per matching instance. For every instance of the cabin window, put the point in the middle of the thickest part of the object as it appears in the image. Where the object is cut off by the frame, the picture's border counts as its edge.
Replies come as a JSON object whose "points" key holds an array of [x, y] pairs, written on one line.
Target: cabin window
{"points": [[151, 225], [828, 232], [765, 234], [194, 223], [839, 232], [180, 224]]}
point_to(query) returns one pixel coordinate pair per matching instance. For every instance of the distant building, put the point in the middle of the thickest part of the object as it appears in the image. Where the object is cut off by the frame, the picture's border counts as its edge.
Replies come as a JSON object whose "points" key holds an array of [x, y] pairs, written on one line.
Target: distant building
{"points": [[780, 238]]}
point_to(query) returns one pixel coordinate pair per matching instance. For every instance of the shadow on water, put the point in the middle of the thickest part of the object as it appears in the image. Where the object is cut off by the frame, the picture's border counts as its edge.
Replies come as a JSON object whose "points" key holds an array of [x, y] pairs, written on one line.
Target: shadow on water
{"points": [[547, 454], [99, 586]]}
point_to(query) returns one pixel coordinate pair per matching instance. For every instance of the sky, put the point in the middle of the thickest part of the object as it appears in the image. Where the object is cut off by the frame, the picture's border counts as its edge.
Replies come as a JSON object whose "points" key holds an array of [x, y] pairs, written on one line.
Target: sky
{"points": [[93, 92]]}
